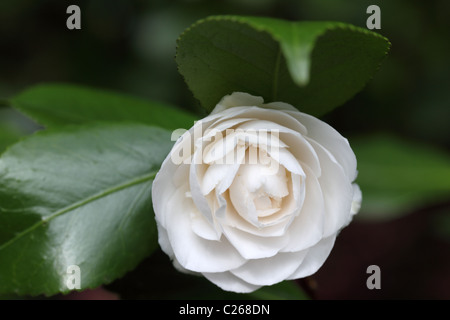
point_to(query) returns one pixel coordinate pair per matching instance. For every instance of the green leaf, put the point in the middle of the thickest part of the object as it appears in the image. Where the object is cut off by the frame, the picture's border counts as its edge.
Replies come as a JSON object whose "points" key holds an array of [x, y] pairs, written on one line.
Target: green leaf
{"points": [[315, 66], [57, 105], [78, 196], [397, 176], [286, 290], [8, 135]]}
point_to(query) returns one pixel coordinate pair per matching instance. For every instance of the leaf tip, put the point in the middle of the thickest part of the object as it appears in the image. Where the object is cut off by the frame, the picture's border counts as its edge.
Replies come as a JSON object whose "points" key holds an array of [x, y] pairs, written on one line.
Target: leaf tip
{"points": [[300, 71]]}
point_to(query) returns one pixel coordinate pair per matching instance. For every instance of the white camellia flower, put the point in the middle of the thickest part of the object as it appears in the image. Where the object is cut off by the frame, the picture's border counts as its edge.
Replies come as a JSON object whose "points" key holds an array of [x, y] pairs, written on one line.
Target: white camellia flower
{"points": [[254, 194]]}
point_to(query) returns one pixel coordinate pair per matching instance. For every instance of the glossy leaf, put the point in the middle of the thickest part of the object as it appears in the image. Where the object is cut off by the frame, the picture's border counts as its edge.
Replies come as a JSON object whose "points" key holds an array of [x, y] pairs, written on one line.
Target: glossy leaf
{"points": [[397, 176], [315, 66], [8, 135], [57, 104], [79, 196]]}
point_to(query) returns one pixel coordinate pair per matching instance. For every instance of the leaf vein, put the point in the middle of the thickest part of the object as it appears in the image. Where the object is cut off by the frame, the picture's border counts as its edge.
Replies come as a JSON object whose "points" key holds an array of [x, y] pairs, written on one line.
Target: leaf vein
{"points": [[79, 204]]}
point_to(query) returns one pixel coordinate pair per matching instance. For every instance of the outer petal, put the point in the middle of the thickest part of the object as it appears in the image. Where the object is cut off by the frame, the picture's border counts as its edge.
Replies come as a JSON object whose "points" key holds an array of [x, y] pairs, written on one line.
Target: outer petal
{"points": [[222, 124], [314, 259], [162, 188], [357, 199], [337, 192], [282, 118], [270, 270], [193, 252], [280, 106], [237, 99], [288, 124], [330, 139], [299, 148], [229, 282], [164, 242], [307, 228], [203, 228], [254, 247]]}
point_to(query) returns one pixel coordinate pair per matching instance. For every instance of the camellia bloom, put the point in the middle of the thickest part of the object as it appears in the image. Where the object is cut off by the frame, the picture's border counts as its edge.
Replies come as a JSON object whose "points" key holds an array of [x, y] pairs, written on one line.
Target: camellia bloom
{"points": [[254, 194]]}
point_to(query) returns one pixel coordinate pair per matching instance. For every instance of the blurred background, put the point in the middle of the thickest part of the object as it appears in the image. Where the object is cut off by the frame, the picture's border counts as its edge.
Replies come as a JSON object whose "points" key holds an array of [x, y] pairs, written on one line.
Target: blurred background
{"points": [[398, 125]]}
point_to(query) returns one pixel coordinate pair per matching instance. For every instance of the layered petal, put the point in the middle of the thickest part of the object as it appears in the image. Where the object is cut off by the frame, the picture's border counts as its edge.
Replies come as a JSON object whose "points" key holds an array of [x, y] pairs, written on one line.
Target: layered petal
{"points": [[229, 282], [337, 192], [307, 229], [330, 139], [314, 259], [272, 270], [193, 252]]}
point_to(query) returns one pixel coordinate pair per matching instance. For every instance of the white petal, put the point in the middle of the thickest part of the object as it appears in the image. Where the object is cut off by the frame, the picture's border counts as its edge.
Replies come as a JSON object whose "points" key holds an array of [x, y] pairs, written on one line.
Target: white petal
{"points": [[219, 151], [242, 200], [237, 99], [193, 252], [278, 119], [197, 171], [302, 150], [337, 192], [293, 140], [213, 175], [287, 160], [291, 205], [233, 219], [185, 146], [255, 137], [232, 170], [229, 282], [282, 118], [307, 228], [269, 126], [280, 106], [270, 270], [162, 188], [222, 124], [298, 188], [180, 174], [203, 228], [223, 204], [332, 140], [163, 240], [314, 259], [180, 268], [253, 181], [357, 199], [254, 247]]}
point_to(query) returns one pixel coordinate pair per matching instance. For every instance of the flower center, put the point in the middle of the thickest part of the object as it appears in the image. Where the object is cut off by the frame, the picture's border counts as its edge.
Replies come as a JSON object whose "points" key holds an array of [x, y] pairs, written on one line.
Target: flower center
{"points": [[258, 190], [266, 205]]}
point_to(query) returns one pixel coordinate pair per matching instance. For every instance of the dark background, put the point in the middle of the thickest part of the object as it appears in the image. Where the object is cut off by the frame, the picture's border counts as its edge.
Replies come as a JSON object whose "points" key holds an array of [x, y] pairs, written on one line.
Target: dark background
{"points": [[129, 46]]}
